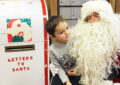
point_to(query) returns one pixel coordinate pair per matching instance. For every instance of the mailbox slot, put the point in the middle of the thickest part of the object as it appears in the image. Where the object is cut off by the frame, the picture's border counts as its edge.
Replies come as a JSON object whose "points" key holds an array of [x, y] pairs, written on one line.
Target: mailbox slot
{"points": [[19, 48]]}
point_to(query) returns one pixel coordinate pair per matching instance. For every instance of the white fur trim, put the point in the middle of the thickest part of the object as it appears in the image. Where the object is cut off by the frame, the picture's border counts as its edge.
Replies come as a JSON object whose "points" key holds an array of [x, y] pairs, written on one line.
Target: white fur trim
{"points": [[100, 6]]}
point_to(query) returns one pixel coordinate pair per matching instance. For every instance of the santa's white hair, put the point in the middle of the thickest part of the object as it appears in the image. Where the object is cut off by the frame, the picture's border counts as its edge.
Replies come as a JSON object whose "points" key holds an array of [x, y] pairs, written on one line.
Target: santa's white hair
{"points": [[96, 44]]}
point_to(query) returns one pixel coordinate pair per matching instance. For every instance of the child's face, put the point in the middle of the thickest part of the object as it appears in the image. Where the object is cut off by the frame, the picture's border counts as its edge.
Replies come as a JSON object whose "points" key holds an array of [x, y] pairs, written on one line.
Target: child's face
{"points": [[62, 32], [94, 17]]}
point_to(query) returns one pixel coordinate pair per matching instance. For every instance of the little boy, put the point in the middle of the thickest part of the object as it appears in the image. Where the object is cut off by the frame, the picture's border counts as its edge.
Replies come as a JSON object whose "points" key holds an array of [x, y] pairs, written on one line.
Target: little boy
{"points": [[59, 31]]}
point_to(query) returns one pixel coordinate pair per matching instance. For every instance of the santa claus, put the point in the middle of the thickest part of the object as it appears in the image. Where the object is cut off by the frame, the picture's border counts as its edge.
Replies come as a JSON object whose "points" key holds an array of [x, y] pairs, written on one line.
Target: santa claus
{"points": [[96, 42]]}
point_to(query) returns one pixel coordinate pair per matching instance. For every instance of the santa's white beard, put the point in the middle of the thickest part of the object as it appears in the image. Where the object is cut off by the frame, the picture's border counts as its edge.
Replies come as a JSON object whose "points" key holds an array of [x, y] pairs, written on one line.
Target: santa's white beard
{"points": [[93, 48]]}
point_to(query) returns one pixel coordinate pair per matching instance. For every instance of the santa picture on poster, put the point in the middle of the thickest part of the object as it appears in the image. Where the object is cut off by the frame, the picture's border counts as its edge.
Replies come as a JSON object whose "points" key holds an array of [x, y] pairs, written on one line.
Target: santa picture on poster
{"points": [[19, 30]]}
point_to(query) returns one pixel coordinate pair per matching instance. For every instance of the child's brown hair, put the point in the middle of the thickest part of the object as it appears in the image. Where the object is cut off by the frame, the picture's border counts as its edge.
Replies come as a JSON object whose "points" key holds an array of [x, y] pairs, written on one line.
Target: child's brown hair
{"points": [[52, 23]]}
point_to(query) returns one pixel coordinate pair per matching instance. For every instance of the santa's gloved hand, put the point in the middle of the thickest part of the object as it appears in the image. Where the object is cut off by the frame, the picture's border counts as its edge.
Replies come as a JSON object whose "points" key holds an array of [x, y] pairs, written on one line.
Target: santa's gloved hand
{"points": [[53, 69]]}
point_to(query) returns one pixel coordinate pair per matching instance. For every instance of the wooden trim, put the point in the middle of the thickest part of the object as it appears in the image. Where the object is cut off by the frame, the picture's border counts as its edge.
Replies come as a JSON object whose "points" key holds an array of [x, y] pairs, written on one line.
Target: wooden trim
{"points": [[118, 6], [112, 2], [52, 7], [115, 5]]}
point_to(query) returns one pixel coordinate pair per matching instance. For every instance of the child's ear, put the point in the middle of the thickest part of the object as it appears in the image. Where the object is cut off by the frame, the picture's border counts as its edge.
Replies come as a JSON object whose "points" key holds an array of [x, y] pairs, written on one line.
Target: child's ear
{"points": [[52, 37]]}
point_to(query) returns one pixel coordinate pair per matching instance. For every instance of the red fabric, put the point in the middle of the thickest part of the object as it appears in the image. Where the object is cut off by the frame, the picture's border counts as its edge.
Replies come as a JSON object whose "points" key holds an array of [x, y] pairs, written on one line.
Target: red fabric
{"points": [[117, 80], [118, 62]]}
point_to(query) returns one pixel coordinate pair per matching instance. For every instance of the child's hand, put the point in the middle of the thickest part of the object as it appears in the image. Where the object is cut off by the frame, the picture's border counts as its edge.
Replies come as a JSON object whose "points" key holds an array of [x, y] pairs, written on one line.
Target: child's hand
{"points": [[71, 72], [68, 83], [53, 69]]}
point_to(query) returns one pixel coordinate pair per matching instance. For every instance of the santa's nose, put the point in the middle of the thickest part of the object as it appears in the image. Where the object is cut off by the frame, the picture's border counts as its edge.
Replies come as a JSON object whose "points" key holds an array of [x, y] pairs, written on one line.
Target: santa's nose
{"points": [[93, 19]]}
